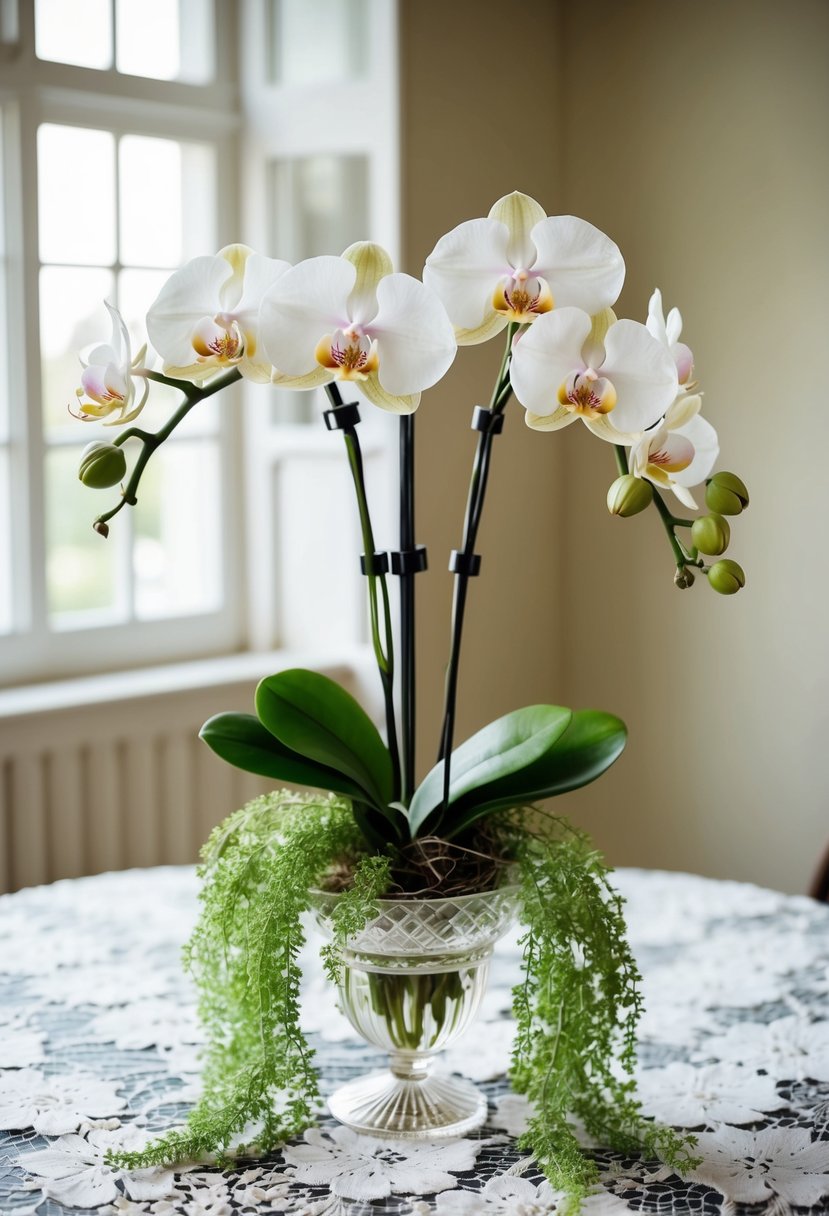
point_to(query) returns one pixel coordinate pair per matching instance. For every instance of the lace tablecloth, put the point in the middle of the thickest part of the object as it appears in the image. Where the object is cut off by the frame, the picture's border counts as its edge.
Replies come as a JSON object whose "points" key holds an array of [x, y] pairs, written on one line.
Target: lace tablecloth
{"points": [[99, 1047]]}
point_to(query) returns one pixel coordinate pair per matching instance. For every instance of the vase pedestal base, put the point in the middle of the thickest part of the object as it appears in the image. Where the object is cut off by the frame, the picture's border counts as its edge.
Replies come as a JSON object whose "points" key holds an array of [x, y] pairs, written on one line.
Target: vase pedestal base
{"points": [[425, 1108]]}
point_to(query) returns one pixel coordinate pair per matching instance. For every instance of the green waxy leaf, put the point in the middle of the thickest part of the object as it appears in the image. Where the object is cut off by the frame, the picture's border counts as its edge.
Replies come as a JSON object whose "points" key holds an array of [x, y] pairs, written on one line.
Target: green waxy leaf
{"points": [[589, 745], [243, 741], [318, 719], [504, 747]]}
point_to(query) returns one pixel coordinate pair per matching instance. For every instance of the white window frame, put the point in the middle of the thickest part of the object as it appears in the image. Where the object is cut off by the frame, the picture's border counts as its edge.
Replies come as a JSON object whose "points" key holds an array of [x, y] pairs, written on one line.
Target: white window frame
{"points": [[252, 450]]}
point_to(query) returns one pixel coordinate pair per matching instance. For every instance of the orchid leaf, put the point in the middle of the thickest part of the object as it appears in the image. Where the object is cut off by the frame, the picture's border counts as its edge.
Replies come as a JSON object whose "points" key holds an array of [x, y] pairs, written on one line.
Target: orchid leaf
{"points": [[313, 716], [504, 747], [243, 741], [592, 741]]}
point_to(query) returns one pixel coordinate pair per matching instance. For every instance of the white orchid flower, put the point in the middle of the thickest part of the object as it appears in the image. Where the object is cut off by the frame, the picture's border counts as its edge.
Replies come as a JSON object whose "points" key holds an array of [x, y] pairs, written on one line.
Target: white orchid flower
{"points": [[353, 318], [206, 315], [679, 453], [667, 332], [107, 377], [569, 366], [517, 264]]}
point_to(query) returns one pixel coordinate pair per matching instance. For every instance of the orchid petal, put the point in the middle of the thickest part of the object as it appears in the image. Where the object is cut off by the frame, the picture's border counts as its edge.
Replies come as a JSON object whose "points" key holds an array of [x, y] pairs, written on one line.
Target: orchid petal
{"points": [[307, 302], [314, 379], [132, 414], [582, 266], [260, 275], [545, 356], [673, 326], [493, 325], [99, 356], [377, 395], [681, 411], [670, 452], [593, 351], [685, 496], [196, 372], [416, 342], [638, 458], [706, 450], [643, 374], [192, 292], [103, 383], [550, 422], [372, 264], [230, 292], [520, 213], [655, 323], [464, 267], [603, 428]]}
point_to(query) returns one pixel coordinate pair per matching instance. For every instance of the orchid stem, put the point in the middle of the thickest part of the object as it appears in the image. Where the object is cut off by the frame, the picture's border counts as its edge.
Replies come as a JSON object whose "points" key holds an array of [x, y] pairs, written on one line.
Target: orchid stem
{"points": [[407, 609], [669, 521], [383, 645], [474, 507], [150, 440]]}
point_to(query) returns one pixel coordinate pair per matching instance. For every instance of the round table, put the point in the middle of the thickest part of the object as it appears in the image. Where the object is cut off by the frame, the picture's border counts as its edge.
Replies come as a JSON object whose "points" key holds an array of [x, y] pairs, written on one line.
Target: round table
{"points": [[99, 1044]]}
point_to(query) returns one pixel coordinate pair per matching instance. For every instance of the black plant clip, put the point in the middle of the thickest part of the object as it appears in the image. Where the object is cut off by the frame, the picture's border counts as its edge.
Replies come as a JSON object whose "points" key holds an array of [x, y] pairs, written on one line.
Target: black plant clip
{"points": [[487, 421], [342, 417]]}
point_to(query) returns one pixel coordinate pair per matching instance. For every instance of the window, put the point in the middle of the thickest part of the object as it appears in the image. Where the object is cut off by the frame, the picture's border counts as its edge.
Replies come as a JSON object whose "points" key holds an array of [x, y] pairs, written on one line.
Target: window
{"points": [[126, 151]]}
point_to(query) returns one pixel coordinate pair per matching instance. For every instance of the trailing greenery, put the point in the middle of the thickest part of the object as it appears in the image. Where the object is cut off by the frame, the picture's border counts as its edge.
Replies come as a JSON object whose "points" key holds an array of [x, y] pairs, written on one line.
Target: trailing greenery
{"points": [[354, 908], [259, 867], [577, 1009]]}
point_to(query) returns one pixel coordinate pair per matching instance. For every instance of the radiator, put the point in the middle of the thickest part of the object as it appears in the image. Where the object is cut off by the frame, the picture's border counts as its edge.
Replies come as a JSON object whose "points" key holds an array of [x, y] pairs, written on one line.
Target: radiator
{"points": [[115, 782]]}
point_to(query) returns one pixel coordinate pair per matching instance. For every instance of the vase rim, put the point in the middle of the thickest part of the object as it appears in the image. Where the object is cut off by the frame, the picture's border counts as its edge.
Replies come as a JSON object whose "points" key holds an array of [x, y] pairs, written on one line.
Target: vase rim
{"points": [[508, 889]]}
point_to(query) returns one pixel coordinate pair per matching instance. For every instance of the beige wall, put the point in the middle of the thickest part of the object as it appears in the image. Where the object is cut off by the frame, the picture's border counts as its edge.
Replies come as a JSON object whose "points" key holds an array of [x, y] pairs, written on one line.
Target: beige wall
{"points": [[695, 135]]}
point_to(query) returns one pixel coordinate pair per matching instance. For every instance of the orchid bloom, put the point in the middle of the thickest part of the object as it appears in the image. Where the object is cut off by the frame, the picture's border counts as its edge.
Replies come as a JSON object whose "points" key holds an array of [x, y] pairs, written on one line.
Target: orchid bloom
{"points": [[205, 317], [667, 332], [107, 377], [679, 453], [517, 264], [352, 318], [569, 366]]}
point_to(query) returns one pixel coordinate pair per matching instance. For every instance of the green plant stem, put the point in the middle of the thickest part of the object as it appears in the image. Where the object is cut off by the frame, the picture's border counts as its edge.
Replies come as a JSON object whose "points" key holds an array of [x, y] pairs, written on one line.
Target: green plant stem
{"points": [[150, 440], [669, 521], [474, 507]]}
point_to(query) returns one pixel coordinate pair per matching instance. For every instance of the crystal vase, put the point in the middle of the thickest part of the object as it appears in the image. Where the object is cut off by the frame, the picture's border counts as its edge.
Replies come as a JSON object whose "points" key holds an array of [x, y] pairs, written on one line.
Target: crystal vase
{"points": [[411, 982]]}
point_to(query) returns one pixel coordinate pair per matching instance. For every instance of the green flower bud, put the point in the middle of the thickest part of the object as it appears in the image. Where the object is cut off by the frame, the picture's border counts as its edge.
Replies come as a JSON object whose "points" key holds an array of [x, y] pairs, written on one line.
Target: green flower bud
{"points": [[726, 577], [726, 494], [102, 465], [684, 578], [711, 534], [629, 495]]}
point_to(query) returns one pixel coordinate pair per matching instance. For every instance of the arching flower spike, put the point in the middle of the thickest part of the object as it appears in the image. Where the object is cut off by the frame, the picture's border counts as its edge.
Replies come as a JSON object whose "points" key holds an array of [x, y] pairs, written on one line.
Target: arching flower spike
{"points": [[107, 377], [352, 318], [517, 264], [205, 317], [568, 366]]}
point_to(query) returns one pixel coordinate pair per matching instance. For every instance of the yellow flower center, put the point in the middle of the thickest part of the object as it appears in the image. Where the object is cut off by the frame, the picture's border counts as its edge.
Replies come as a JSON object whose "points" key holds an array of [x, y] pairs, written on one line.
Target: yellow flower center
{"points": [[522, 297], [587, 394]]}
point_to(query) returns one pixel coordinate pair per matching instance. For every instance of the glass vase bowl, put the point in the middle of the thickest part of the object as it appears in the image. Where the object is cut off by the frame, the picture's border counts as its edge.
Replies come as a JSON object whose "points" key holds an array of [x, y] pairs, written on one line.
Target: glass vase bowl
{"points": [[411, 981]]}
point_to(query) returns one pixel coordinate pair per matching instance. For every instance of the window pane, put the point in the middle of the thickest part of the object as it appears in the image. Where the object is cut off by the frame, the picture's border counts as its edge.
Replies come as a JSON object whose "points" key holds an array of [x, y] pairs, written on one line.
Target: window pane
{"points": [[165, 193], [150, 42], [178, 532], [317, 41], [5, 546], [4, 354], [72, 317], [79, 32], [81, 565], [76, 195]]}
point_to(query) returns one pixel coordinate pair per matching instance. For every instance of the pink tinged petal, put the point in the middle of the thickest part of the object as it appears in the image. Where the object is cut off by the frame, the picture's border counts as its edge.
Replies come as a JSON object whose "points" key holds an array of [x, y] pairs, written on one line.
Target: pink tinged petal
{"points": [[643, 374], [464, 268], [684, 360], [582, 266], [106, 385], [415, 338], [546, 355], [304, 305], [191, 293], [706, 446], [670, 452], [520, 213]]}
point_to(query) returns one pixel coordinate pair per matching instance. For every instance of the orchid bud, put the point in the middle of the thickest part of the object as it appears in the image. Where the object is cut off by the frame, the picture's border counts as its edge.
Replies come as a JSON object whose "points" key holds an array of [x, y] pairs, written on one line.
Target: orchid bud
{"points": [[711, 534], [101, 528], [629, 495], [102, 465], [726, 577], [684, 578], [726, 494]]}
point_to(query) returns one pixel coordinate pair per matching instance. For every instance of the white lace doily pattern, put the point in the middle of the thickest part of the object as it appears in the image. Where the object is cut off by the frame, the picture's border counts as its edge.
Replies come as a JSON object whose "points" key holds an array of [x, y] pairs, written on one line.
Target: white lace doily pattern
{"points": [[99, 1047]]}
